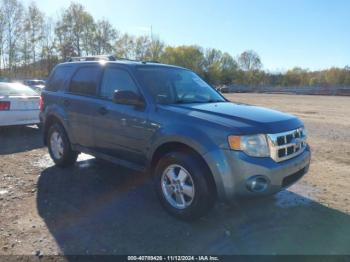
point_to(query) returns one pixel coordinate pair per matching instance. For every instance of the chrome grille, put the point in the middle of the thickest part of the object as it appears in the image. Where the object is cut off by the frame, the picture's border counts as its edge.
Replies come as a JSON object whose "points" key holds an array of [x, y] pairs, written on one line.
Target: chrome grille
{"points": [[286, 145]]}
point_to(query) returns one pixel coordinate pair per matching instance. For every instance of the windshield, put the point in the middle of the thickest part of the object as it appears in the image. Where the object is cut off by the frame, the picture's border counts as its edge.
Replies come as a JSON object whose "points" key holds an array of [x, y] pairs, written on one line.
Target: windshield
{"points": [[172, 85], [16, 90]]}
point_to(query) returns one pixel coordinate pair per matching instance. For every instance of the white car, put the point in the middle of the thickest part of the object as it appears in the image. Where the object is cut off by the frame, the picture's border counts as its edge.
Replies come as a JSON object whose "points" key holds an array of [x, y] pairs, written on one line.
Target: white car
{"points": [[19, 105]]}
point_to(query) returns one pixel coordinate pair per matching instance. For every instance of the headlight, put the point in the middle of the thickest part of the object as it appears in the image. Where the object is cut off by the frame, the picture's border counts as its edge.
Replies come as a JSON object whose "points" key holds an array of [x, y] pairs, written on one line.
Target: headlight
{"points": [[252, 145]]}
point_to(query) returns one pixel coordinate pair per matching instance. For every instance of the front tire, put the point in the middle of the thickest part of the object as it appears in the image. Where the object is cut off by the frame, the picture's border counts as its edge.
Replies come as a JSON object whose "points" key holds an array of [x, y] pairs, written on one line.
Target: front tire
{"points": [[59, 147], [183, 185]]}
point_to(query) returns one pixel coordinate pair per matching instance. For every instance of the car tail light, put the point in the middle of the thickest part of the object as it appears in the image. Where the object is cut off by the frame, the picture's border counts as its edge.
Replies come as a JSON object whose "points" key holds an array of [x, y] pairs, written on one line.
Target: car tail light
{"points": [[41, 104], [5, 105]]}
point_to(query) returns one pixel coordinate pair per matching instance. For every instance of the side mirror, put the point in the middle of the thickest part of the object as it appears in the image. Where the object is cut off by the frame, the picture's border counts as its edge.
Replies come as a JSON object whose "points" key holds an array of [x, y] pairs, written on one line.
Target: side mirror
{"points": [[125, 97]]}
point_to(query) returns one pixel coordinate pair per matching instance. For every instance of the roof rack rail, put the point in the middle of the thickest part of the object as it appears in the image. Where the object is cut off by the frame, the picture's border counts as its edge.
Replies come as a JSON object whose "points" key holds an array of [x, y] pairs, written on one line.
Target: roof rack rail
{"points": [[92, 58], [127, 59], [106, 58], [150, 61]]}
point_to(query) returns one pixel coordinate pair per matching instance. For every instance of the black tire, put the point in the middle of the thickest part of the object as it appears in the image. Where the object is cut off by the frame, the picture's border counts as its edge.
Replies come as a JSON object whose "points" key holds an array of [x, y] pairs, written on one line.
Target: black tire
{"points": [[204, 188], [68, 157]]}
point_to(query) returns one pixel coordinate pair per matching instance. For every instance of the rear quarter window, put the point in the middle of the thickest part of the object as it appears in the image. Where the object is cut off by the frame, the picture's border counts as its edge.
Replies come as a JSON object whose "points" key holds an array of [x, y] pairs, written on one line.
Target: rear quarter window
{"points": [[85, 81], [59, 78]]}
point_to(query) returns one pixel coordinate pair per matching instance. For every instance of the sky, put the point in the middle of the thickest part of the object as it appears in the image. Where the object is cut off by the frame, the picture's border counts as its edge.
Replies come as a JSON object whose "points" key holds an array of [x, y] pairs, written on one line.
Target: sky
{"points": [[313, 34]]}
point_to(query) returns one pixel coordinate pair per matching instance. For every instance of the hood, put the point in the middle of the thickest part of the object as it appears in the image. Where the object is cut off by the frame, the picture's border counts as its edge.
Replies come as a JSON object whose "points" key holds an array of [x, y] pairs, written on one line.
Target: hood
{"points": [[244, 119]]}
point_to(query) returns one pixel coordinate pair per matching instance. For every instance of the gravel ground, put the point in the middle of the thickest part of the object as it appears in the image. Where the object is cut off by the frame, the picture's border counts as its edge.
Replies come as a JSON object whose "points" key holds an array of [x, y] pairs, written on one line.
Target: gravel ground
{"points": [[99, 208]]}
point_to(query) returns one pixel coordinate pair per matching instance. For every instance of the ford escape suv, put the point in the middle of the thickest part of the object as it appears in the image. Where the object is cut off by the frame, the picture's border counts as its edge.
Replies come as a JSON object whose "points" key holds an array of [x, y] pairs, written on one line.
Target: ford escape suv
{"points": [[165, 119]]}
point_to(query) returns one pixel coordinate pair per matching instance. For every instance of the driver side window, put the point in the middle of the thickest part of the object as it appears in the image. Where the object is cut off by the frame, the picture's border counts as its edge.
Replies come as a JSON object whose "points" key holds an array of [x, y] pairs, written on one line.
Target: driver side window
{"points": [[116, 79]]}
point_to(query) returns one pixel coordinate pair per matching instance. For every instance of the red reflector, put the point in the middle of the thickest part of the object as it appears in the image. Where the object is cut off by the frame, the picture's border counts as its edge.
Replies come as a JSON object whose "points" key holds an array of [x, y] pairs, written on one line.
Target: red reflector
{"points": [[41, 104], [5, 105]]}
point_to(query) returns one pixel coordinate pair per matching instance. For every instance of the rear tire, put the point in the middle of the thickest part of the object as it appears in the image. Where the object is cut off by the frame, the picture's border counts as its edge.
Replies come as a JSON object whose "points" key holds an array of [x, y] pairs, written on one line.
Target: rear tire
{"points": [[183, 185], [59, 147]]}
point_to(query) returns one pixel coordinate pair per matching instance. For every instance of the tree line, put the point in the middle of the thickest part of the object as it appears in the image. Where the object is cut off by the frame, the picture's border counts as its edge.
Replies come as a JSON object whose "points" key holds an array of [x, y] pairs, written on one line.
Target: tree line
{"points": [[31, 44]]}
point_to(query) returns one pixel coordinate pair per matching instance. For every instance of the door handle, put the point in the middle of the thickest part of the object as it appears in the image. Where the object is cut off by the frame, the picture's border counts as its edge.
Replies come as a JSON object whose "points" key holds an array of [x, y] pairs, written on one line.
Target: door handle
{"points": [[66, 102], [102, 110]]}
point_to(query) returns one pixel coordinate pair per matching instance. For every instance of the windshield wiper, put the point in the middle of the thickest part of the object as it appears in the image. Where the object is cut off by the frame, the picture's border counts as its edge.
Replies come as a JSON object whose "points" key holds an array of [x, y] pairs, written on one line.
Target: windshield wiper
{"points": [[184, 102], [215, 101], [198, 102]]}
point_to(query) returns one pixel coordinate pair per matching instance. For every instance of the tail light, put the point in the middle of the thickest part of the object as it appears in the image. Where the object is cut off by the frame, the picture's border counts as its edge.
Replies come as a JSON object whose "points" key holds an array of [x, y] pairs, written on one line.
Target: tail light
{"points": [[5, 105], [41, 104]]}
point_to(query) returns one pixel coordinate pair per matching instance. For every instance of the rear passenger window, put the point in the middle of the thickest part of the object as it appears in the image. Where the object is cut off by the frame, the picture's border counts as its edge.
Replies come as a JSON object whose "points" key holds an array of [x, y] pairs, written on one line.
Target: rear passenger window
{"points": [[58, 79], [85, 81], [116, 79]]}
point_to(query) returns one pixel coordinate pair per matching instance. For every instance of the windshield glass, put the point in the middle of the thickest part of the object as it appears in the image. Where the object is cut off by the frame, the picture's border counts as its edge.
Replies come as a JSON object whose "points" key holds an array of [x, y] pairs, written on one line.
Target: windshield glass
{"points": [[16, 90], [172, 85]]}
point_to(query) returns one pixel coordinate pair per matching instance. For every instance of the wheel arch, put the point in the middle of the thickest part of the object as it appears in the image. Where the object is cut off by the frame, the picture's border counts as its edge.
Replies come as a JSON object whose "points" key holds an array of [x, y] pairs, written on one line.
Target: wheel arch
{"points": [[176, 146], [49, 121]]}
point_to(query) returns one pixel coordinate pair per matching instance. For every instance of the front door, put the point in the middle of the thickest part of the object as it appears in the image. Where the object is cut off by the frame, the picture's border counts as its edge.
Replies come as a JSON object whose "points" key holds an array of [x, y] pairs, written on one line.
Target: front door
{"points": [[121, 130]]}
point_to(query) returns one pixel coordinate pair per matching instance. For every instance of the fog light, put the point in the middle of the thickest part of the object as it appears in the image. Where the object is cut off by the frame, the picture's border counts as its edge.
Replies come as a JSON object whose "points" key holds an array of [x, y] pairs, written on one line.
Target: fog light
{"points": [[257, 184]]}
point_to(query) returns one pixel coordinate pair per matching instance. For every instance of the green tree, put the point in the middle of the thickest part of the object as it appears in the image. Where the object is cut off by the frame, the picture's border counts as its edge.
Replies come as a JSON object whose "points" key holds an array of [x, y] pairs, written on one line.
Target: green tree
{"points": [[74, 31], [335, 76], [314, 81], [347, 80], [191, 57], [212, 66], [296, 77], [228, 68]]}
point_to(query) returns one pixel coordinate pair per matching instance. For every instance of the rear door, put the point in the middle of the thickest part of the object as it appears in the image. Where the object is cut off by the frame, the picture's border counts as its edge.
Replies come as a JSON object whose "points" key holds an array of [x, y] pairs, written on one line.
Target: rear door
{"points": [[80, 104]]}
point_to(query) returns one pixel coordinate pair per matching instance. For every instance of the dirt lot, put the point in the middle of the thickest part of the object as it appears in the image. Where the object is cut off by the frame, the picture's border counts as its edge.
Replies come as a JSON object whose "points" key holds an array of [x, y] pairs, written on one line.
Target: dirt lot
{"points": [[95, 208]]}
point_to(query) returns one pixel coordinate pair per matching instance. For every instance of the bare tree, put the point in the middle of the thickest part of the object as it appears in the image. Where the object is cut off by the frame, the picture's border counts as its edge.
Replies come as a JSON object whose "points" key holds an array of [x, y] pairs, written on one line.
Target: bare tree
{"points": [[2, 36], [125, 46], [212, 57], [142, 48], [139, 48], [35, 26], [13, 10], [104, 38], [48, 47], [156, 49], [64, 40], [24, 46], [249, 61]]}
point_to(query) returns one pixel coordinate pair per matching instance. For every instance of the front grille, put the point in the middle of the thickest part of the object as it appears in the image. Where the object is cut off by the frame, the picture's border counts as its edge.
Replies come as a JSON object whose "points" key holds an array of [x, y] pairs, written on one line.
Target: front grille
{"points": [[286, 145], [287, 181]]}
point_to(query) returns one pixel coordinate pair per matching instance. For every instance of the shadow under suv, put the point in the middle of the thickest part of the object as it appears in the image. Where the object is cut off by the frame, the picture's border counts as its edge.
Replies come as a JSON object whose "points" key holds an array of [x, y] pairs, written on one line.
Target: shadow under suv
{"points": [[148, 116]]}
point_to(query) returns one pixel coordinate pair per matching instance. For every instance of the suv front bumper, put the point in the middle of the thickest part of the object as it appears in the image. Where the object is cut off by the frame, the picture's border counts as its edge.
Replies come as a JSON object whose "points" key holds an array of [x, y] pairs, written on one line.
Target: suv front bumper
{"points": [[233, 170]]}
